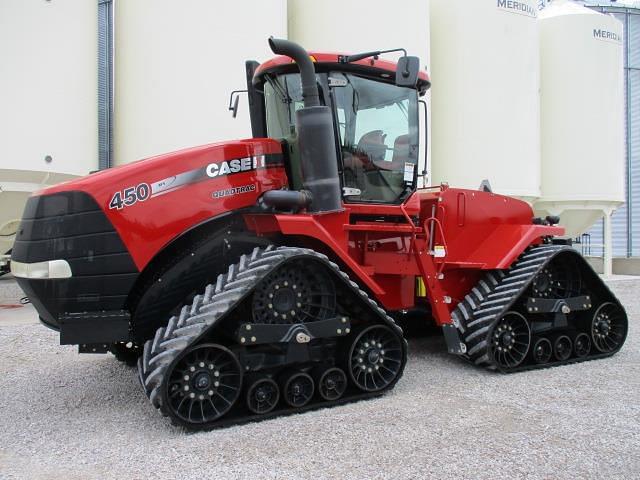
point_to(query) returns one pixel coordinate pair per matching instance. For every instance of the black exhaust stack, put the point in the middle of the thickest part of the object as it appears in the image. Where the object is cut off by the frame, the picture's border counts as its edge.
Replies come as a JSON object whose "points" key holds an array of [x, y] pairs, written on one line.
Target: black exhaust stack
{"points": [[316, 139]]}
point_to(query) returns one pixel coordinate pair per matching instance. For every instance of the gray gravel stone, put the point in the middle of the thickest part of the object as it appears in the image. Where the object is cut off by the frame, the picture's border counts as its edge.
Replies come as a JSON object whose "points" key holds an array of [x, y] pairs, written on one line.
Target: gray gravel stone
{"points": [[77, 417]]}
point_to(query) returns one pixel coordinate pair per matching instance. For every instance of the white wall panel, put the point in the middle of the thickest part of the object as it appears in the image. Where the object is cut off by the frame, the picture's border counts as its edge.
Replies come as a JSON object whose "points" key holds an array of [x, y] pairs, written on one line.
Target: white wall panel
{"points": [[48, 78], [48, 99], [176, 64]]}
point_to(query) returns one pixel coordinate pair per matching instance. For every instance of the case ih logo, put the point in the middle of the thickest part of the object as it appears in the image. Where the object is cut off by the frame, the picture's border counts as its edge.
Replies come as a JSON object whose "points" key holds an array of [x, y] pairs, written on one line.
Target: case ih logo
{"points": [[606, 35], [236, 165], [520, 8]]}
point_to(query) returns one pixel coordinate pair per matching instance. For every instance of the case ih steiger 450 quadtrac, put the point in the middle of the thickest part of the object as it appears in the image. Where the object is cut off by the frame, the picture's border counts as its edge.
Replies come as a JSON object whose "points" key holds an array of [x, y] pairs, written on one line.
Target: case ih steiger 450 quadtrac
{"points": [[259, 277]]}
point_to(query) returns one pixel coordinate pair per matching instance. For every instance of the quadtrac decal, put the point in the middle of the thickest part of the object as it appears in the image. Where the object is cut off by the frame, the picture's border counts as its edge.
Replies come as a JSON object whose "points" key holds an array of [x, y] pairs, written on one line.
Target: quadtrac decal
{"points": [[131, 195], [234, 191]]}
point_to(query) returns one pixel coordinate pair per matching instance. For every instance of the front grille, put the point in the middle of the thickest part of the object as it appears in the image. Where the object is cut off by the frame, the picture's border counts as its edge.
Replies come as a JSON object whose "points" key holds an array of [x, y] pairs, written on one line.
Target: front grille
{"points": [[71, 226]]}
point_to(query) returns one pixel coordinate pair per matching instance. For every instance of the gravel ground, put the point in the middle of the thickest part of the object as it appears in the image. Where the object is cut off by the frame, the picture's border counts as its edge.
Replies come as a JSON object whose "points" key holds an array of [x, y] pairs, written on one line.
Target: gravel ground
{"points": [[69, 416]]}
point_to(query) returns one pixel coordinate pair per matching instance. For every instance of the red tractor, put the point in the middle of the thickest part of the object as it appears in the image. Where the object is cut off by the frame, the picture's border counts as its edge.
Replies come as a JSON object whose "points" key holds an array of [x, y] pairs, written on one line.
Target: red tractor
{"points": [[265, 276]]}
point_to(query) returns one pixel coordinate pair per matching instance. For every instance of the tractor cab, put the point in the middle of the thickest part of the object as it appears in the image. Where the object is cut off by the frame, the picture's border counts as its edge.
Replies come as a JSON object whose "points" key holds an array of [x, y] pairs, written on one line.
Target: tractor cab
{"points": [[374, 117]]}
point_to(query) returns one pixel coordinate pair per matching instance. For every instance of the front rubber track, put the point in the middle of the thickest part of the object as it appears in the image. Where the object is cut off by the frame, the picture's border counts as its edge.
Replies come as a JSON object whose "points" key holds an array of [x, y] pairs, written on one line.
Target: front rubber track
{"points": [[198, 321], [501, 290]]}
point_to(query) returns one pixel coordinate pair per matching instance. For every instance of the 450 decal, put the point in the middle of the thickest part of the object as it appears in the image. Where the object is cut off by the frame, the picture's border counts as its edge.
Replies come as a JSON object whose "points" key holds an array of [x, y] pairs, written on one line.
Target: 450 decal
{"points": [[130, 196]]}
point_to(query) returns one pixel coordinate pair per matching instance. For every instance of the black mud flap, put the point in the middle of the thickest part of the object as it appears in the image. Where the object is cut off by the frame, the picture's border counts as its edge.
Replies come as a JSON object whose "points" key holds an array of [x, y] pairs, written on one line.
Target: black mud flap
{"points": [[452, 338], [94, 327]]}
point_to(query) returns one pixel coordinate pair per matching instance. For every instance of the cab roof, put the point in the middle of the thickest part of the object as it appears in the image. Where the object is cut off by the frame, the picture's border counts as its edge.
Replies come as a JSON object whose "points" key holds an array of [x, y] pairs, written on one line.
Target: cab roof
{"points": [[324, 62]]}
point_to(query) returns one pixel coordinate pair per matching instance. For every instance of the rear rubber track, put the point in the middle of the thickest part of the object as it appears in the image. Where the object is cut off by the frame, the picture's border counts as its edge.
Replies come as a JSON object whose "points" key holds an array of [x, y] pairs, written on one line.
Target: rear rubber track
{"points": [[497, 292]]}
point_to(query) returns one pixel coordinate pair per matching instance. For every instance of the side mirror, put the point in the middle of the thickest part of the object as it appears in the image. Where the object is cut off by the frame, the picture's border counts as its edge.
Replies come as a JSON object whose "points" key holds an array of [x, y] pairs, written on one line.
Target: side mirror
{"points": [[407, 71], [233, 102]]}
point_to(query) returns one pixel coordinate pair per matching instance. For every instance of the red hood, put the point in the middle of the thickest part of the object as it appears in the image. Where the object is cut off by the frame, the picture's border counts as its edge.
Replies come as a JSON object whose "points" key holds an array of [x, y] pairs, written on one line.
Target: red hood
{"points": [[153, 201], [160, 166]]}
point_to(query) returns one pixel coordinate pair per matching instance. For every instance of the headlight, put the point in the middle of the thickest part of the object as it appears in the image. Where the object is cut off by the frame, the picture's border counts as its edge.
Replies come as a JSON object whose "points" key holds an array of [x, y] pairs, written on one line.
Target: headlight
{"points": [[50, 269]]}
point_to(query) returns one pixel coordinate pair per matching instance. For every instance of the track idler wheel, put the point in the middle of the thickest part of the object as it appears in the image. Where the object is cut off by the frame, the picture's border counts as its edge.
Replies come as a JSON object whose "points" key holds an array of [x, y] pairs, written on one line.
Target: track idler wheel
{"points": [[562, 348], [332, 383], [510, 340], [581, 345], [204, 384], [542, 351], [262, 395], [609, 327], [375, 358], [297, 389]]}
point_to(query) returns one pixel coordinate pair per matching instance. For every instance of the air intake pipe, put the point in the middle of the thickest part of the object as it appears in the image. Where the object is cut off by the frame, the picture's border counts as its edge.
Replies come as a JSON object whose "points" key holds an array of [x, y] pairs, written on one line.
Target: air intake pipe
{"points": [[316, 138]]}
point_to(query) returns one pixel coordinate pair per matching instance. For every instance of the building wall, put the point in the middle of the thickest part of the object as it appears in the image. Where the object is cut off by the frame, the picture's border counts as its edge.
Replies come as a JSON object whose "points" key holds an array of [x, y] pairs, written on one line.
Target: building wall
{"points": [[48, 100], [48, 78]]}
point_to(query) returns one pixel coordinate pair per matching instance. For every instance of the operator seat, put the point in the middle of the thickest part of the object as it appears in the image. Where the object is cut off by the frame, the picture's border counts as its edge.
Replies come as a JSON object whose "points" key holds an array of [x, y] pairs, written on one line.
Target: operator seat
{"points": [[372, 148], [360, 159], [400, 152]]}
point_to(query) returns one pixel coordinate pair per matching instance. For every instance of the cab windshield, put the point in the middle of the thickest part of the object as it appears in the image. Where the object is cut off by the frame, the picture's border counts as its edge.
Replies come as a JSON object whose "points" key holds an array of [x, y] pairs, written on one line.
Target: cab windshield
{"points": [[377, 126], [378, 130]]}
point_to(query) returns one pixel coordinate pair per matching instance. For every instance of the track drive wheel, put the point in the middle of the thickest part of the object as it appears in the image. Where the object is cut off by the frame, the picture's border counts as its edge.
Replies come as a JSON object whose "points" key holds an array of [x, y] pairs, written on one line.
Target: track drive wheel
{"points": [[560, 279], [299, 291], [203, 385], [332, 383], [375, 358], [609, 327], [262, 395]]}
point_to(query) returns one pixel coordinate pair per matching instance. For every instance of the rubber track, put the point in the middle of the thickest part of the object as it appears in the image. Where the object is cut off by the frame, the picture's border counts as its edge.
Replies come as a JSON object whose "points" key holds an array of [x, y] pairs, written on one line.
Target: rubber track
{"points": [[197, 320], [494, 295]]}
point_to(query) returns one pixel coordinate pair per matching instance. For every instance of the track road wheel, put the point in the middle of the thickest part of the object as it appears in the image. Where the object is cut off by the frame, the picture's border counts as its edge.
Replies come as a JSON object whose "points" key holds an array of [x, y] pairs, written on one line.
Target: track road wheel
{"points": [[332, 384], [562, 348], [262, 395], [375, 358], [609, 327], [510, 340], [204, 384], [297, 389], [542, 351], [582, 345]]}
